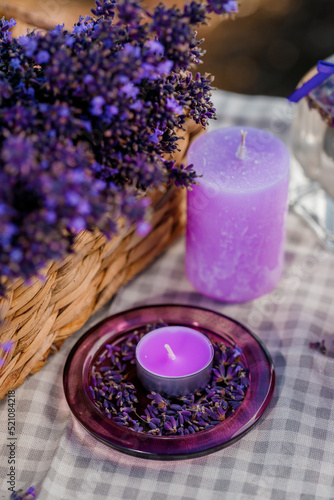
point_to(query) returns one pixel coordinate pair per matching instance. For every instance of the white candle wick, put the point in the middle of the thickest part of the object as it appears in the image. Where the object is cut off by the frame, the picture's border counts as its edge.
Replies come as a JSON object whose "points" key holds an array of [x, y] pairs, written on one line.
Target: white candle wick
{"points": [[168, 348], [241, 149]]}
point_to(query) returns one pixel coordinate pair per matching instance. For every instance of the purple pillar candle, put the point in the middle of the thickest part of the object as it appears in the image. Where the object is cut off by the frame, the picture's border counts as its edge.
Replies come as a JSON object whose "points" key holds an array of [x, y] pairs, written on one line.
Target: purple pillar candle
{"points": [[236, 215], [174, 360]]}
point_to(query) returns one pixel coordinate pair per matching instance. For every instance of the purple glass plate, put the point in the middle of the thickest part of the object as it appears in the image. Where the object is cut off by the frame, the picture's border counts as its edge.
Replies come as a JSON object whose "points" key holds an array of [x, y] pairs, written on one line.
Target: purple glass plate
{"points": [[219, 328]]}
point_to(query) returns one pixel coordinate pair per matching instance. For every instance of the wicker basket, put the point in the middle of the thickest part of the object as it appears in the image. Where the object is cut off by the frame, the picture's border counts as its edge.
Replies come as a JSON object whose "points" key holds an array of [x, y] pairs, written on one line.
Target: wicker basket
{"points": [[39, 317]]}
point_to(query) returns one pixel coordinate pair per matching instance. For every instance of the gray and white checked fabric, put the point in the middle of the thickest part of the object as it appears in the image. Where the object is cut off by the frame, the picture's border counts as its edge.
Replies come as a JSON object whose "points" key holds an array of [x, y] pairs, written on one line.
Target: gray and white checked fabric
{"points": [[288, 455]]}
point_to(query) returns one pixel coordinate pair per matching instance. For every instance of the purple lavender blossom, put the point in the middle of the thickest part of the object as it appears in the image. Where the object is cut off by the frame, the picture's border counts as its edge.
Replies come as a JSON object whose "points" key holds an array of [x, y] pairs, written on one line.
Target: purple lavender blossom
{"points": [[143, 228], [173, 105], [105, 8], [7, 346], [87, 117], [30, 494], [42, 57], [196, 12], [5, 27], [17, 154], [15, 63], [155, 47], [97, 105], [29, 44], [181, 175], [222, 6], [129, 12]]}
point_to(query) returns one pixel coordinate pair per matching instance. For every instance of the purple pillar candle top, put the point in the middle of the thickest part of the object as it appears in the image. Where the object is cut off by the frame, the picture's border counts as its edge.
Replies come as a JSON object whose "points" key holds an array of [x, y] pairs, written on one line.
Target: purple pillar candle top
{"points": [[174, 360], [236, 215]]}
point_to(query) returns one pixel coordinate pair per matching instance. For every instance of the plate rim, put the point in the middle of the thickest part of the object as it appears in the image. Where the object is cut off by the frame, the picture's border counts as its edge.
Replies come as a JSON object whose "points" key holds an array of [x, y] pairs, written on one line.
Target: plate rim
{"points": [[188, 454]]}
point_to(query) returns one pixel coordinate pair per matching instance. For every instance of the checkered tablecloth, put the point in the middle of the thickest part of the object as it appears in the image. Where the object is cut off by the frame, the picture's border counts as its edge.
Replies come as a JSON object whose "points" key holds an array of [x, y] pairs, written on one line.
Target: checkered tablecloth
{"points": [[288, 455]]}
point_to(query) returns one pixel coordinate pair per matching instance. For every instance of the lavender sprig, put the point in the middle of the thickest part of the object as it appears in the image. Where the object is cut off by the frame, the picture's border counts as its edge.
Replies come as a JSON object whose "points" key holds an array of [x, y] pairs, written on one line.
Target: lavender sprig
{"points": [[87, 117], [319, 346], [167, 416], [30, 494]]}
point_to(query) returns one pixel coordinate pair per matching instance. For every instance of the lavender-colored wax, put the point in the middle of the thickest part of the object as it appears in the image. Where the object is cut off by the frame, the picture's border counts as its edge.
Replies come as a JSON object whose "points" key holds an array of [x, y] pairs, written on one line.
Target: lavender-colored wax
{"points": [[236, 216], [190, 368]]}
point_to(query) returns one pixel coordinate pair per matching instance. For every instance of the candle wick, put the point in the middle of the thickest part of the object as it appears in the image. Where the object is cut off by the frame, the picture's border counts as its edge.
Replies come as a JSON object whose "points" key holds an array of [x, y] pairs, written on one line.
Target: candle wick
{"points": [[241, 149], [171, 355]]}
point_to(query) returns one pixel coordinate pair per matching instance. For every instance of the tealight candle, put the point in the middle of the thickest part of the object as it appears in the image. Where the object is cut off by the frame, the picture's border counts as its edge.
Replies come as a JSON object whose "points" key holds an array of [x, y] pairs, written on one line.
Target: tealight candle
{"points": [[174, 360], [236, 215]]}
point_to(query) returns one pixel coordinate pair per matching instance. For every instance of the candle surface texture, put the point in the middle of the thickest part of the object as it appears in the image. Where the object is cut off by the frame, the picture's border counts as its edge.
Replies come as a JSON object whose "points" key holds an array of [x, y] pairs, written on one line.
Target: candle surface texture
{"points": [[236, 215], [187, 370]]}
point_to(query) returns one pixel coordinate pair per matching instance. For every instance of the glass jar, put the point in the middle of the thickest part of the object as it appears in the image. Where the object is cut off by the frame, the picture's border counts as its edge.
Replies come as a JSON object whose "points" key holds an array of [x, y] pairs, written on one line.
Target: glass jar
{"points": [[312, 182]]}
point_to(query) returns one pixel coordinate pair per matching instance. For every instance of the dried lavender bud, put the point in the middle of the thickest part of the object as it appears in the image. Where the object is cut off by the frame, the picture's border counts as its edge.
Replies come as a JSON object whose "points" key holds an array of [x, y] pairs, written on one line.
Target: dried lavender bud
{"points": [[30, 494], [169, 415], [319, 346]]}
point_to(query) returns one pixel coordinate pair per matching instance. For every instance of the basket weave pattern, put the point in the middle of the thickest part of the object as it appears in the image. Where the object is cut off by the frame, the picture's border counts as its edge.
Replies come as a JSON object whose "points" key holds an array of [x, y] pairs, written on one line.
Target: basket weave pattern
{"points": [[38, 317]]}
